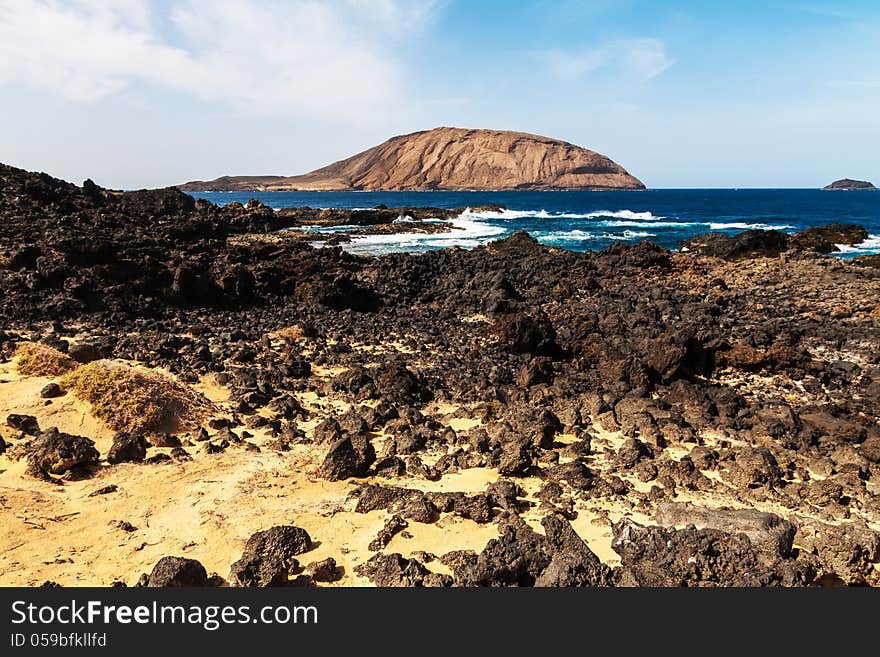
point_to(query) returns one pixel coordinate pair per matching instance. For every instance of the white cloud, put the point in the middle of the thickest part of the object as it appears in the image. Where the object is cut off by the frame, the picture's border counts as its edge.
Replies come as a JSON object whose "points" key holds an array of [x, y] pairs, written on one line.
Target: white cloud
{"points": [[332, 58], [641, 59]]}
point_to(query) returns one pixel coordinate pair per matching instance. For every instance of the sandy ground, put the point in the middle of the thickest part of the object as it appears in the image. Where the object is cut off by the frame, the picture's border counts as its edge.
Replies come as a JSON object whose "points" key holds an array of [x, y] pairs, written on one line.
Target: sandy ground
{"points": [[208, 507]]}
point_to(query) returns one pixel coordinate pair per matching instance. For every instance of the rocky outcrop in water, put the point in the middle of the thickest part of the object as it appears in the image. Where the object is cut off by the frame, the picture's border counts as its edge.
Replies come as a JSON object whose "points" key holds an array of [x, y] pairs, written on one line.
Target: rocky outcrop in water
{"points": [[770, 243], [847, 184]]}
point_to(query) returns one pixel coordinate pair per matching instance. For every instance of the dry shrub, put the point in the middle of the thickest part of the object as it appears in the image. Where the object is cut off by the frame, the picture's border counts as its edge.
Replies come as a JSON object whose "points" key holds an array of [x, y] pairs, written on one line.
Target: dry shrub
{"points": [[133, 400], [37, 359], [296, 332]]}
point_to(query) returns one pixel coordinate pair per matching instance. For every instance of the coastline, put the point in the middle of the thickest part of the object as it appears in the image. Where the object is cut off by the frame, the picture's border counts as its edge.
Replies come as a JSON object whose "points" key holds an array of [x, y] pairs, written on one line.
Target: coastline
{"points": [[459, 410]]}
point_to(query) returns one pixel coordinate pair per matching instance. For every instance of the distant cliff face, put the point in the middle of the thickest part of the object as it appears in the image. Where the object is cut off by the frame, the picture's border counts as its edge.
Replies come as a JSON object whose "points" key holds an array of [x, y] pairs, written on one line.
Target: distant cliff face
{"points": [[451, 159], [846, 183]]}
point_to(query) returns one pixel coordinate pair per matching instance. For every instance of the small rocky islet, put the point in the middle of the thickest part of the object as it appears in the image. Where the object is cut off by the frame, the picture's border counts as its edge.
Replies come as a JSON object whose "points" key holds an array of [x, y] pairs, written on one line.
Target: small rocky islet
{"points": [[637, 417], [845, 184]]}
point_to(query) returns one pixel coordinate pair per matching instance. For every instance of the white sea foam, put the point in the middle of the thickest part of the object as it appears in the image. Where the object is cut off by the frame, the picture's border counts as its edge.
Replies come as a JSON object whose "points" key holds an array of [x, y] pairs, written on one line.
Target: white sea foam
{"points": [[551, 237], [624, 214], [737, 225], [653, 224], [465, 233], [543, 214], [563, 236], [503, 214], [868, 246]]}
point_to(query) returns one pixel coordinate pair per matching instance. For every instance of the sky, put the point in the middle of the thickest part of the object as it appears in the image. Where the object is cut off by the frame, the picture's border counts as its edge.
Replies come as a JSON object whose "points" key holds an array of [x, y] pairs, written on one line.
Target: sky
{"points": [[148, 93]]}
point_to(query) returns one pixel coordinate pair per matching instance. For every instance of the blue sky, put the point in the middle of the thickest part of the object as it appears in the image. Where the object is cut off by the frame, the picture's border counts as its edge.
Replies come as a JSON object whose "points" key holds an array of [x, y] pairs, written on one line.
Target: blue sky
{"points": [[136, 93]]}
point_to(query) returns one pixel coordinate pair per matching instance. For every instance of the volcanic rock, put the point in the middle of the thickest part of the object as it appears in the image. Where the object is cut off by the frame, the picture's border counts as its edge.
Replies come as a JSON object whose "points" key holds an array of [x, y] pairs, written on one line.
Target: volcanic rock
{"points": [[351, 456], [53, 452], [748, 244], [393, 570], [127, 447], [268, 557], [765, 530], [847, 184], [656, 556], [177, 572], [823, 239], [27, 424]]}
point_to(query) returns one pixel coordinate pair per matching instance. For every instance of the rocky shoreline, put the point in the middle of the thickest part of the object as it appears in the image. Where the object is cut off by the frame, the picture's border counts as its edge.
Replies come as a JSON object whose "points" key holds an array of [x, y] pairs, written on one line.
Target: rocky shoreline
{"points": [[510, 415]]}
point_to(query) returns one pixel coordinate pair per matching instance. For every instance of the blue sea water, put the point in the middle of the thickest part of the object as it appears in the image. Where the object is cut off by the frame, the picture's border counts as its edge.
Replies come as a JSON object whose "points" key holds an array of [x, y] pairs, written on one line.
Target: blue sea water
{"points": [[587, 220]]}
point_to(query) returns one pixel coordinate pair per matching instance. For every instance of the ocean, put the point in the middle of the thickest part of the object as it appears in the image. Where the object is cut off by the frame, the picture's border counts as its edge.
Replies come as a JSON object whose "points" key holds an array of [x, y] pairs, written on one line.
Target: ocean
{"points": [[587, 220]]}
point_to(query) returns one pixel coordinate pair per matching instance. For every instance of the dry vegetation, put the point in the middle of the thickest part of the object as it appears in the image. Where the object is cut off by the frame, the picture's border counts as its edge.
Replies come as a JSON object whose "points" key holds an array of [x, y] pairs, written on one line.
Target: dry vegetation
{"points": [[295, 332], [128, 399], [37, 359]]}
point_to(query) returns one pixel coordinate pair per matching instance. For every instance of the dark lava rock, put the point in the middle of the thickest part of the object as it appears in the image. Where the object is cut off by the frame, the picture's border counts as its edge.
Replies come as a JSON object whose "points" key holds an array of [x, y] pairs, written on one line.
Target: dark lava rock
{"points": [[394, 381], [393, 526], [393, 570], [177, 572], [409, 503], [53, 452], [84, 352], [104, 490], [473, 507], [517, 457], [640, 255], [51, 390], [631, 452], [325, 570], [390, 466], [327, 431], [505, 494], [522, 557], [748, 244], [535, 372], [849, 551], [572, 563], [268, 557], [872, 261], [753, 467], [516, 558], [351, 456], [25, 423], [170, 440], [522, 333], [870, 449], [343, 293], [823, 239], [127, 447], [356, 381], [180, 454], [765, 530], [656, 556], [574, 473]]}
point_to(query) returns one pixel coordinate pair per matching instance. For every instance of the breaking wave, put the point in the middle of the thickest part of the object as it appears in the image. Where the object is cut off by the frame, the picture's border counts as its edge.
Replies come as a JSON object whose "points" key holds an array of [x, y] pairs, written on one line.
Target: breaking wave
{"points": [[736, 225], [544, 214], [866, 247], [465, 233]]}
